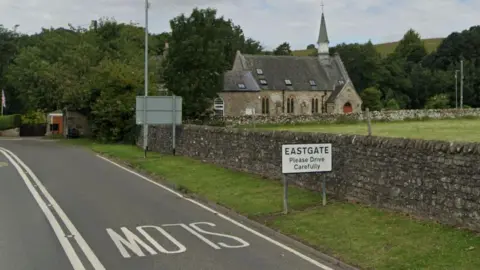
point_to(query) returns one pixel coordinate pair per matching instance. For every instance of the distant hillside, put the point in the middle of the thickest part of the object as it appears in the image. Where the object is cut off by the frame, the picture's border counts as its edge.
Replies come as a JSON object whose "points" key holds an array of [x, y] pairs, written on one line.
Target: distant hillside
{"points": [[431, 45]]}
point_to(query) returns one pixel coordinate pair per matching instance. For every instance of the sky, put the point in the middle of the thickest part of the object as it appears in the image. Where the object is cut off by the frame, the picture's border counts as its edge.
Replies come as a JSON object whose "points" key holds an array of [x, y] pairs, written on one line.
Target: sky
{"points": [[272, 22]]}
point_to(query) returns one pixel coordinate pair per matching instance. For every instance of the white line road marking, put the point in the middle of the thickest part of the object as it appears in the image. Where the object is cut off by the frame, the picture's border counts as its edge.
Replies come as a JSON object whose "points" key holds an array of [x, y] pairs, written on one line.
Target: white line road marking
{"points": [[192, 231], [181, 248], [97, 265], [135, 243], [243, 243], [131, 242], [67, 247], [287, 248]]}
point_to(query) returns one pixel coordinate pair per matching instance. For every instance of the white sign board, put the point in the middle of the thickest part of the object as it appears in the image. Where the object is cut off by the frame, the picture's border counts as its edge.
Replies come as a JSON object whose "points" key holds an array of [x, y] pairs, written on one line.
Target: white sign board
{"points": [[304, 158]]}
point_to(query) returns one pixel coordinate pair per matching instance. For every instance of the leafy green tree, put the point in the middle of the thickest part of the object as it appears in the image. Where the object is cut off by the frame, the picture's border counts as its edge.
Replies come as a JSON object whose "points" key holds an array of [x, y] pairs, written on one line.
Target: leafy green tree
{"points": [[440, 101], [411, 47], [283, 49], [311, 46], [372, 99], [362, 62], [392, 105], [202, 48]]}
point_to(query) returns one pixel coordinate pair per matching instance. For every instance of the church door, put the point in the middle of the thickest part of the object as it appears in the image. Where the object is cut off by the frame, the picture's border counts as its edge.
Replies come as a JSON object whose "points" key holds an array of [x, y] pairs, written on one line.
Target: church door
{"points": [[347, 108]]}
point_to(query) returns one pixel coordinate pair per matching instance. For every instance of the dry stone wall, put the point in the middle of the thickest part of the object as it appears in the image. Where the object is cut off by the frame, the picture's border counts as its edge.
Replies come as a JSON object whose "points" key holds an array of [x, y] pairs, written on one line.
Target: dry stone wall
{"points": [[388, 116], [432, 179]]}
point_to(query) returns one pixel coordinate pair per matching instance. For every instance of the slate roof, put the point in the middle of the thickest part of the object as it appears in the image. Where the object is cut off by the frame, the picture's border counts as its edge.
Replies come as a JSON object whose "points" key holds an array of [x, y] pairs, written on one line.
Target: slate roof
{"points": [[232, 80], [336, 91], [326, 72]]}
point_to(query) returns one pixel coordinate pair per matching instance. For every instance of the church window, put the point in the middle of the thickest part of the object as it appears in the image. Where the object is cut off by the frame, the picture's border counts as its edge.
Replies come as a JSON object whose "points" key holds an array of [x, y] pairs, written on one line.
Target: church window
{"points": [[314, 105], [241, 86], [290, 105], [259, 71], [265, 105], [288, 82], [263, 82], [313, 83]]}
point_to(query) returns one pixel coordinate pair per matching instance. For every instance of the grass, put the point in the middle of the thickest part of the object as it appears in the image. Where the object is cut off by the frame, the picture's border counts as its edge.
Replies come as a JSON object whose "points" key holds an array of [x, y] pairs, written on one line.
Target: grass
{"points": [[366, 237], [384, 49], [445, 130]]}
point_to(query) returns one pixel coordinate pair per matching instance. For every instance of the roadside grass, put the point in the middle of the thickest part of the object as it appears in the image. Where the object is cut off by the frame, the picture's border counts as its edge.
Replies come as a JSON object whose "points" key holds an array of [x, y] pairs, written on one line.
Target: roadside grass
{"points": [[467, 130], [362, 236]]}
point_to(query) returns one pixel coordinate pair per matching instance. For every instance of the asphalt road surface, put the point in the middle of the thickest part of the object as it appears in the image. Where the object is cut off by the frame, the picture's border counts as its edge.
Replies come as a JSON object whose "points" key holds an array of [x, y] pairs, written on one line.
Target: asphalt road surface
{"points": [[64, 208]]}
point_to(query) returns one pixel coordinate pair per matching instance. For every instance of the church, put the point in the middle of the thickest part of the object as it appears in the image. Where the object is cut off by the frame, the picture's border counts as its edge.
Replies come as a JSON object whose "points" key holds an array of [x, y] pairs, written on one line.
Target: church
{"points": [[297, 85]]}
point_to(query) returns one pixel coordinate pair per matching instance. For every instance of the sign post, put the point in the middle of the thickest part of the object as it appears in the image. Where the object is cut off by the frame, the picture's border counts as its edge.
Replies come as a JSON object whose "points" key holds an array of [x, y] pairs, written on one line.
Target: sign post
{"points": [[305, 158], [159, 110]]}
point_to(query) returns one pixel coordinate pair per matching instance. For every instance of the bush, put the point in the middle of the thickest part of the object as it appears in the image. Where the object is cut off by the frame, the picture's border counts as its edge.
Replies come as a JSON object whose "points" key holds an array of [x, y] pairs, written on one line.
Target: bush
{"points": [[10, 121], [34, 117]]}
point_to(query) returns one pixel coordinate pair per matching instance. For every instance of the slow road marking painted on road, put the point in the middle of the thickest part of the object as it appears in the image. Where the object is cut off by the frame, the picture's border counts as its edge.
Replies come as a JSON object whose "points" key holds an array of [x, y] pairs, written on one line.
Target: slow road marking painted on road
{"points": [[287, 248], [24, 171], [135, 243]]}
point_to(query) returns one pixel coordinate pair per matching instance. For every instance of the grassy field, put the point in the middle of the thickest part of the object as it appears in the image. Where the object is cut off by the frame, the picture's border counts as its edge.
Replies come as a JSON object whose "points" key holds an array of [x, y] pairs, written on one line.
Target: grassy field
{"points": [[358, 235], [385, 48], [445, 130]]}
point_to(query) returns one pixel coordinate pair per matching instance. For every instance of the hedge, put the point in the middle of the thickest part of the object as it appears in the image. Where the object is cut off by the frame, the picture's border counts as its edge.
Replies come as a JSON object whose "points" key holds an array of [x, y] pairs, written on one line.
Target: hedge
{"points": [[10, 121]]}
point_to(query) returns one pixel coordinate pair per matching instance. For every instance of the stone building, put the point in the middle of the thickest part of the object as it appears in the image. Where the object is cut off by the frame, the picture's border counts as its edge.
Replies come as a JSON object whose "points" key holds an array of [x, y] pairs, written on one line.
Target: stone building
{"points": [[269, 84]]}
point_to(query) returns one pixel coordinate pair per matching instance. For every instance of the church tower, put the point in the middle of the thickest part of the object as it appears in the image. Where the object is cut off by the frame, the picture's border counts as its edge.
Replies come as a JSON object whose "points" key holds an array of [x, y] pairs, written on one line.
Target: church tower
{"points": [[323, 41]]}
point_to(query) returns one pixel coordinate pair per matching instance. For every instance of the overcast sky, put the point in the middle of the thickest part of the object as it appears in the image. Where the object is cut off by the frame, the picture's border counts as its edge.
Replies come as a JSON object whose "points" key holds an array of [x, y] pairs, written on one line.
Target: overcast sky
{"points": [[269, 21]]}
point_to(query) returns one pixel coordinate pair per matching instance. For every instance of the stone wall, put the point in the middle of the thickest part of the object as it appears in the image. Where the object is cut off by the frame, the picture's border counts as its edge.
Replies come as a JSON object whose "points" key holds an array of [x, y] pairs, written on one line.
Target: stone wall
{"points": [[361, 116], [10, 132], [432, 179]]}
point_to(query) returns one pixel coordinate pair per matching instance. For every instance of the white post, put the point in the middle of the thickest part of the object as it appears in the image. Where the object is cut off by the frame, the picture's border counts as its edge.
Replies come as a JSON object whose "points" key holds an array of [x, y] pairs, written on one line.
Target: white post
{"points": [[369, 122], [456, 89], [145, 125], [461, 84]]}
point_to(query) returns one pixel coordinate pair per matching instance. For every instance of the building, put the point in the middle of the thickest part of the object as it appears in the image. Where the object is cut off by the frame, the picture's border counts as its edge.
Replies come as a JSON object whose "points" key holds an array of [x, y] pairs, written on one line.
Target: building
{"points": [[299, 85]]}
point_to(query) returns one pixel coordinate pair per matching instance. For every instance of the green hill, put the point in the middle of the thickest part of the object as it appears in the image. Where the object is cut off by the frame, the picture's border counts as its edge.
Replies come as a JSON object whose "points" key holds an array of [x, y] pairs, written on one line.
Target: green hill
{"points": [[431, 45]]}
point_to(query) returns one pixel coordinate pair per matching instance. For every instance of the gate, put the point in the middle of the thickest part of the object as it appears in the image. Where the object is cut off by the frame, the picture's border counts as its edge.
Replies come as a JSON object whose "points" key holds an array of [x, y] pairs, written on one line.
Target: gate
{"points": [[36, 130]]}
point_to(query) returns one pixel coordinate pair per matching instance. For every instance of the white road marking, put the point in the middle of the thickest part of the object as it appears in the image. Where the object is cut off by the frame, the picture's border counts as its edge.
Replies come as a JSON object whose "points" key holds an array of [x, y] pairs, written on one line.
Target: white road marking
{"points": [[287, 248], [67, 247], [181, 248], [92, 258], [131, 242], [192, 231], [243, 243]]}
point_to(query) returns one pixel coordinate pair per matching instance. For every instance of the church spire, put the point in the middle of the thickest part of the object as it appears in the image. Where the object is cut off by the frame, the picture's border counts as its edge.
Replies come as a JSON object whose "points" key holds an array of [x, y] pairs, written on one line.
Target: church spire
{"points": [[323, 41]]}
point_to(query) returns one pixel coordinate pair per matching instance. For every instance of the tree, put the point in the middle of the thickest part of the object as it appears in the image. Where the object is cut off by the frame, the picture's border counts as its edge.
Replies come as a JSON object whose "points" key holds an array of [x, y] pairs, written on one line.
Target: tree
{"points": [[202, 48], [392, 104], [311, 47], [411, 47], [283, 49], [440, 101], [252, 46], [372, 99], [362, 62]]}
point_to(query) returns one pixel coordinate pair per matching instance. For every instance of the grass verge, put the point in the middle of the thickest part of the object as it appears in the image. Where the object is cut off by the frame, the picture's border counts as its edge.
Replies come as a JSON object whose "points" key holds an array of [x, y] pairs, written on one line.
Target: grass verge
{"points": [[366, 237]]}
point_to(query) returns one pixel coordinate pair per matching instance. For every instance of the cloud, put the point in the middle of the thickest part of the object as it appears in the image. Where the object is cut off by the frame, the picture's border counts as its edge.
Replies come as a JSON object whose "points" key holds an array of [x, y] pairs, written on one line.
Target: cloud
{"points": [[270, 21]]}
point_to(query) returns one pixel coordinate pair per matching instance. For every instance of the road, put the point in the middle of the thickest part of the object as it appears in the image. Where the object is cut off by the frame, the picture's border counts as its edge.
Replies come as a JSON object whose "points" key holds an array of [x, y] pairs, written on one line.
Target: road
{"points": [[63, 207]]}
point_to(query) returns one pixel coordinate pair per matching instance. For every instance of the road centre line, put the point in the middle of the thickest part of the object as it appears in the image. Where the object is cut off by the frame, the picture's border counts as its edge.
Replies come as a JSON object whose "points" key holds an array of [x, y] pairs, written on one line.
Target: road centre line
{"points": [[20, 166], [287, 248]]}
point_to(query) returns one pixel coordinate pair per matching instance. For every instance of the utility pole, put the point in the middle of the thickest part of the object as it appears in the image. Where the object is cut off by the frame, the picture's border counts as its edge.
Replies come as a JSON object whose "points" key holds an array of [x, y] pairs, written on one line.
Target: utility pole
{"points": [[145, 125], [456, 89], [461, 84]]}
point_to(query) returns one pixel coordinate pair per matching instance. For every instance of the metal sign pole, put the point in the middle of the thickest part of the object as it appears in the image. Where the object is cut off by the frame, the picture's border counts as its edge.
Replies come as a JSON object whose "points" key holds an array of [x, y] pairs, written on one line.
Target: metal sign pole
{"points": [[285, 194], [324, 189], [145, 125], [174, 121]]}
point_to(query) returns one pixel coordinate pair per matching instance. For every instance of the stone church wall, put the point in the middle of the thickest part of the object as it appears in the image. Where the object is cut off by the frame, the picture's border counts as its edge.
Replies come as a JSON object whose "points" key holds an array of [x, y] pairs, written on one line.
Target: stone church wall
{"points": [[429, 179], [381, 116]]}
